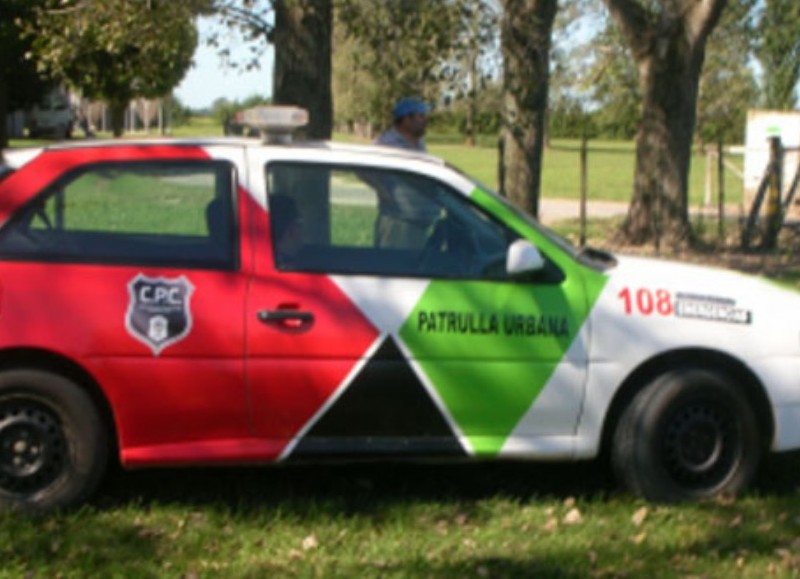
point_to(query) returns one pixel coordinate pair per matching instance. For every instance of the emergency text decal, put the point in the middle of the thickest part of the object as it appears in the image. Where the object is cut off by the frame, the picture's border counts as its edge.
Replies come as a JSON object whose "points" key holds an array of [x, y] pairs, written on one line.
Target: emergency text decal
{"points": [[660, 302]]}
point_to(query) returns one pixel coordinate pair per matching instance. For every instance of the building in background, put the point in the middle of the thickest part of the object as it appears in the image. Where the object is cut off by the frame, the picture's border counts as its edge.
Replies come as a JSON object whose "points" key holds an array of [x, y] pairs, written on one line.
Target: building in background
{"points": [[60, 113]]}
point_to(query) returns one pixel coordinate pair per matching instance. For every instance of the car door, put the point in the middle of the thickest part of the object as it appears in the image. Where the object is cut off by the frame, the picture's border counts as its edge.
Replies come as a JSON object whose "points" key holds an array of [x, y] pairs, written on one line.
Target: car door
{"points": [[127, 260], [398, 300]]}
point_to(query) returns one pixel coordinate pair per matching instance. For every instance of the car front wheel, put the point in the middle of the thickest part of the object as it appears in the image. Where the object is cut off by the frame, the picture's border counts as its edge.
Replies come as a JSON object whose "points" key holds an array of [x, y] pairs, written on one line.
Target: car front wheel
{"points": [[53, 447], [690, 434]]}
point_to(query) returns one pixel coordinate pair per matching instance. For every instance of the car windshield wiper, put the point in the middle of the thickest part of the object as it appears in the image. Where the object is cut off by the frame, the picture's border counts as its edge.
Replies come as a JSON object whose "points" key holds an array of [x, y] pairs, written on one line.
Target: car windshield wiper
{"points": [[598, 258]]}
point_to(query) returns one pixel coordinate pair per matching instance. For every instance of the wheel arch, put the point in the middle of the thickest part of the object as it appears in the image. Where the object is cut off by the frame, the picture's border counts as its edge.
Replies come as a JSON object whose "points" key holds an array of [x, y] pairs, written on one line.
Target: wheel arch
{"points": [[735, 370], [38, 359]]}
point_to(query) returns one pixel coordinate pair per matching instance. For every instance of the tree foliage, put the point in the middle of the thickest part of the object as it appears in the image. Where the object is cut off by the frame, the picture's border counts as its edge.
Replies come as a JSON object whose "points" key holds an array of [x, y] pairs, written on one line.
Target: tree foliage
{"points": [[357, 90], [400, 46], [728, 86], [438, 50], [21, 84], [475, 46], [597, 77], [779, 52], [116, 50], [613, 83]]}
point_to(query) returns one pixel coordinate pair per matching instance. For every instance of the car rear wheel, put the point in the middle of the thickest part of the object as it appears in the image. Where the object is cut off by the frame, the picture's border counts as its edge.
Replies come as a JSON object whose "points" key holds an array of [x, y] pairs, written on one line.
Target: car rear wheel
{"points": [[53, 447], [690, 434]]}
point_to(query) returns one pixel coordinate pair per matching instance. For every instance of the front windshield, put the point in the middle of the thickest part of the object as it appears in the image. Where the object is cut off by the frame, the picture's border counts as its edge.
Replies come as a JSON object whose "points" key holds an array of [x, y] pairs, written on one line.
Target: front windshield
{"points": [[562, 242]]}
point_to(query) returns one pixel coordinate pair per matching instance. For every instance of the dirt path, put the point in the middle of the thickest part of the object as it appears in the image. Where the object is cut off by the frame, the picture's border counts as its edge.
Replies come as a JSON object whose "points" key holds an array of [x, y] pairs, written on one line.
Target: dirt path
{"points": [[552, 210], [783, 263]]}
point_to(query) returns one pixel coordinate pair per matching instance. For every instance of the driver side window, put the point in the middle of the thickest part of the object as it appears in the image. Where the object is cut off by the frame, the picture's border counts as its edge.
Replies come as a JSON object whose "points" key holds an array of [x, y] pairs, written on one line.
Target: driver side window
{"points": [[373, 221]]}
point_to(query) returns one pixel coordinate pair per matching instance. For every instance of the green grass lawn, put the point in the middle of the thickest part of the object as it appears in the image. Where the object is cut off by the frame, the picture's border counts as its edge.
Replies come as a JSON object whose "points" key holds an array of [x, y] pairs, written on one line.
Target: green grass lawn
{"points": [[610, 165], [481, 520], [610, 170]]}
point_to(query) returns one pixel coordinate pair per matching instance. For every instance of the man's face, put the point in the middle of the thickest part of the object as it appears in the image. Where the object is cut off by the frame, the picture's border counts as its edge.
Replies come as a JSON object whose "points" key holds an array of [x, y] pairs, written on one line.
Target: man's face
{"points": [[415, 124]]}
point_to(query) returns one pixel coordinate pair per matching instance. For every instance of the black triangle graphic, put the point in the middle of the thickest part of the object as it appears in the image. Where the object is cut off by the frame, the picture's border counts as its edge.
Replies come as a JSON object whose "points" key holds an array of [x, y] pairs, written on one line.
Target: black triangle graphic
{"points": [[384, 411]]}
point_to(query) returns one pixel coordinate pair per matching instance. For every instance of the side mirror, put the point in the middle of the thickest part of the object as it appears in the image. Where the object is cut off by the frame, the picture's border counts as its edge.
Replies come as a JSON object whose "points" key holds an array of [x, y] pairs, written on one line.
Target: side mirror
{"points": [[523, 257]]}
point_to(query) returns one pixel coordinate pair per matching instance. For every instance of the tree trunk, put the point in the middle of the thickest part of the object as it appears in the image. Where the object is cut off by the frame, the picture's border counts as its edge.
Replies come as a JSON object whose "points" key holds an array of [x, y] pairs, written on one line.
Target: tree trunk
{"points": [[302, 74], [3, 112], [117, 117], [473, 75], [659, 209], [668, 45], [472, 98], [526, 28]]}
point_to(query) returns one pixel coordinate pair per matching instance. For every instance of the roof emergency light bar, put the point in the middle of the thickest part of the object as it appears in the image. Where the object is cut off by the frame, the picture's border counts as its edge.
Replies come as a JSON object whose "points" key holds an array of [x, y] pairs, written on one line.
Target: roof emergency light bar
{"points": [[275, 123]]}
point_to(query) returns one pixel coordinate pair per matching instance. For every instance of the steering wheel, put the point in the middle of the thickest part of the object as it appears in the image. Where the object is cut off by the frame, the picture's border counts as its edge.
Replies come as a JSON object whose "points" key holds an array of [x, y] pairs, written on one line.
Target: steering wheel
{"points": [[434, 246], [457, 249]]}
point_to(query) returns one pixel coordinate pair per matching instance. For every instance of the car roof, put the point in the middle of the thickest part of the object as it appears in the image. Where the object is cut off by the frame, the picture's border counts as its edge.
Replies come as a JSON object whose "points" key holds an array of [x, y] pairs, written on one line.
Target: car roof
{"points": [[16, 158]]}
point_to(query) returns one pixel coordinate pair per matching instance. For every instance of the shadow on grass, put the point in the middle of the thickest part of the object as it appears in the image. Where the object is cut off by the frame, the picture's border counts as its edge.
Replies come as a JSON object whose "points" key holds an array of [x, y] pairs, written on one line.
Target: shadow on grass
{"points": [[369, 487], [356, 487], [779, 474]]}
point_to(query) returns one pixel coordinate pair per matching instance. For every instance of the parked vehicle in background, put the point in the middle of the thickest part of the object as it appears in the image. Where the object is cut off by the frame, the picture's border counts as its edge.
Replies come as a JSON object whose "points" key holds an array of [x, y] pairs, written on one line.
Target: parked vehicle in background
{"points": [[52, 116]]}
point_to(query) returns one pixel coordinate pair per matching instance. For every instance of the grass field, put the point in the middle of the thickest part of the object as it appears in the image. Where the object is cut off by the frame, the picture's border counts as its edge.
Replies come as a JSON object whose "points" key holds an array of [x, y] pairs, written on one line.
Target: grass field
{"points": [[610, 165], [509, 520], [610, 170]]}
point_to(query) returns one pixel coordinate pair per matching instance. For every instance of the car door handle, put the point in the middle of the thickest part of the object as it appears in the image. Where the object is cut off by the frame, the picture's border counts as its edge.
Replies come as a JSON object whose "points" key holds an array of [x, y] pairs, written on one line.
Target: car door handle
{"points": [[287, 319]]}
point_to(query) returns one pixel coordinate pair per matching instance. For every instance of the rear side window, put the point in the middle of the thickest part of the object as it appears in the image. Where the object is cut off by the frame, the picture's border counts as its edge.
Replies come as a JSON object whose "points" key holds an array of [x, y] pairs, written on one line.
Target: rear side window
{"points": [[175, 213]]}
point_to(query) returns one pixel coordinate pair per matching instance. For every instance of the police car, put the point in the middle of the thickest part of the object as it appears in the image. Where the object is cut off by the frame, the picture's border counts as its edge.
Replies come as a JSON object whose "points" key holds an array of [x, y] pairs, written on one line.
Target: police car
{"points": [[236, 301]]}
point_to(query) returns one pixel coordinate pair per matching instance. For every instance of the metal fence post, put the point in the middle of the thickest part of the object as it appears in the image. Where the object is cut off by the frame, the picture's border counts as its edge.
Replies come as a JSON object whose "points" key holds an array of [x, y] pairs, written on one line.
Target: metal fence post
{"points": [[774, 192], [584, 186], [721, 191]]}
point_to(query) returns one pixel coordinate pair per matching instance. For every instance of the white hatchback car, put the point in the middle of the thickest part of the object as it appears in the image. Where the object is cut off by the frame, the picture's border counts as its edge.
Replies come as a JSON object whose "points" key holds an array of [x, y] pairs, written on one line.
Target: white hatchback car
{"points": [[229, 301]]}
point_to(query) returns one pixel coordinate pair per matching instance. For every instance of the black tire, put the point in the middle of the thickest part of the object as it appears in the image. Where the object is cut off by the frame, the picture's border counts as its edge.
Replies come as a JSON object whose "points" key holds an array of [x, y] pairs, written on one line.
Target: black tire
{"points": [[688, 435], [53, 445]]}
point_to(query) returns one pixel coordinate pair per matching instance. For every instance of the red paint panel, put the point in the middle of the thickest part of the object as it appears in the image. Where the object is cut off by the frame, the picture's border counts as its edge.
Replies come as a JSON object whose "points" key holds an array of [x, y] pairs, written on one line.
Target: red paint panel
{"points": [[247, 207], [174, 401], [287, 393], [293, 371], [85, 316], [194, 390], [235, 451]]}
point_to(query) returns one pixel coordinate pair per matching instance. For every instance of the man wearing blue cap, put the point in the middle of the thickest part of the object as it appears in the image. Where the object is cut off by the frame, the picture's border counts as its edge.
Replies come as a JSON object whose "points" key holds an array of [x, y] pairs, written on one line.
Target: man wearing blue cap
{"points": [[410, 122], [405, 214]]}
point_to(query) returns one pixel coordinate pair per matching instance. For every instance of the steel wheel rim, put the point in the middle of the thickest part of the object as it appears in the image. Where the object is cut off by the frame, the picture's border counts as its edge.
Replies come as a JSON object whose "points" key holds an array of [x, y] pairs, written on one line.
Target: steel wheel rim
{"points": [[700, 445], [33, 449]]}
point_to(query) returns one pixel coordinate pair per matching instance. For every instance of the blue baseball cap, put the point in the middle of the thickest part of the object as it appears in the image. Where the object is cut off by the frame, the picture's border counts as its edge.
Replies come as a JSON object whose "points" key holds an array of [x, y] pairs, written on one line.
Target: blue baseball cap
{"points": [[409, 106]]}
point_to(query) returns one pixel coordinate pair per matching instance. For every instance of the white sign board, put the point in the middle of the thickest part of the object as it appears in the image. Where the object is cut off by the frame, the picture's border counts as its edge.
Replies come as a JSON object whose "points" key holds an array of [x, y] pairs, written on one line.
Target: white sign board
{"points": [[761, 126]]}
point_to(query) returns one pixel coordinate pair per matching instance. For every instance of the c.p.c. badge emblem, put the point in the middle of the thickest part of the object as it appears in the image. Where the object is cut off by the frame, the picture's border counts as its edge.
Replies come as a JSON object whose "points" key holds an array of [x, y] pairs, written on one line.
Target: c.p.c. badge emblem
{"points": [[158, 313]]}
